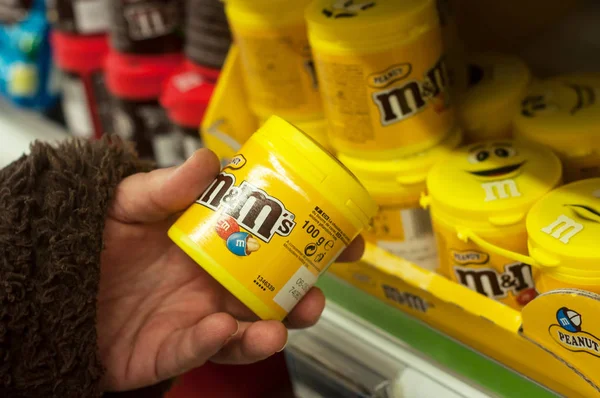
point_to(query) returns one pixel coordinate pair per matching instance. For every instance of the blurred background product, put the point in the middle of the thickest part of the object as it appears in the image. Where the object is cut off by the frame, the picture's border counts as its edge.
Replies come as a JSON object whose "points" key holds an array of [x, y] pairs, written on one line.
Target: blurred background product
{"points": [[208, 37], [150, 27], [185, 98], [383, 75], [136, 83], [80, 46], [27, 74], [277, 62], [497, 84], [563, 113]]}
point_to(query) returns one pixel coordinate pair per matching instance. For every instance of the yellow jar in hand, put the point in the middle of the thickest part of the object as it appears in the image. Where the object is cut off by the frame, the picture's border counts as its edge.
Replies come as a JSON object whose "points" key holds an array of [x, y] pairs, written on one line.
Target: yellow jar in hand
{"points": [[274, 219]]}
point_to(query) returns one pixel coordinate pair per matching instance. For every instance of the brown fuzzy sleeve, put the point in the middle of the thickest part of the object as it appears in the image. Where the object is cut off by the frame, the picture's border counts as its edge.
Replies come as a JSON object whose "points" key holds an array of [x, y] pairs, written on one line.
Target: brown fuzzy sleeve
{"points": [[53, 205]]}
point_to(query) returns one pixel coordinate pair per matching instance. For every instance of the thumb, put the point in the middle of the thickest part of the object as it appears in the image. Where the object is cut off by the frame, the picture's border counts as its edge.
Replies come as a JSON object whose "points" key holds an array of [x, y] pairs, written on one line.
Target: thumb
{"points": [[190, 348], [154, 196]]}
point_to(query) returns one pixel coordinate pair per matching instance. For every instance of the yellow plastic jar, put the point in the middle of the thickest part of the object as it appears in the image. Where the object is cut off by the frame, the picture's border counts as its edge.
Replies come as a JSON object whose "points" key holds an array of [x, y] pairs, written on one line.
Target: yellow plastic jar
{"points": [[497, 84], [274, 219], [228, 123], [317, 130], [401, 226], [382, 74], [277, 61], [479, 197], [564, 114], [564, 234]]}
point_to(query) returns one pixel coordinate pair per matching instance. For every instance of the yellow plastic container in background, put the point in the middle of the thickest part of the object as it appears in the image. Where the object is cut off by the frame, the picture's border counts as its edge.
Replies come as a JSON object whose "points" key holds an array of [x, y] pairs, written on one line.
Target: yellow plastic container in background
{"points": [[564, 114], [274, 219], [401, 226], [498, 83], [564, 237], [277, 62], [382, 74], [479, 197], [228, 122]]}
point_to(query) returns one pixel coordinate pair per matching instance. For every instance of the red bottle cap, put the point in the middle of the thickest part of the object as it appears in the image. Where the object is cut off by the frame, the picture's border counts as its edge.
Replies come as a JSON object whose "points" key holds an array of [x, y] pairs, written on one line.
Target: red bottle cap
{"points": [[211, 74], [186, 97], [80, 54], [139, 77]]}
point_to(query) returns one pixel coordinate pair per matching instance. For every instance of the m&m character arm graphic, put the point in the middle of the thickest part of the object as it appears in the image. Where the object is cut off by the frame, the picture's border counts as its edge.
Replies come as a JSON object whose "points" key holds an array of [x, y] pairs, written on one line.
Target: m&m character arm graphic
{"points": [[239, 243]]}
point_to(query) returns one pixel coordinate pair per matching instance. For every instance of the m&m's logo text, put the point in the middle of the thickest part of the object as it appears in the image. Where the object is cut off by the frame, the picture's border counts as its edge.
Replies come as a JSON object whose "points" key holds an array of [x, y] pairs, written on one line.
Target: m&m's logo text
{"points": [[253, 209]]}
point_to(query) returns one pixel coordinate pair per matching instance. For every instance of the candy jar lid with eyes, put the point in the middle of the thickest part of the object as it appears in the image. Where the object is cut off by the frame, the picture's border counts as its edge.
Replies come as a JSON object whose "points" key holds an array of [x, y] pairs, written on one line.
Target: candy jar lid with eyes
{"points": [[564, 232], [491, 183], [563, 113]]}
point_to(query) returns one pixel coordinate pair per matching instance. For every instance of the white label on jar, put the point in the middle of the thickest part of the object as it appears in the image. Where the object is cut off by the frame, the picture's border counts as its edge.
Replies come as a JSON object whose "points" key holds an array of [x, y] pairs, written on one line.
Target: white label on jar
{"points": [[419, 246], [166, 149], [76, 108], [91, 16], [191, 145], [293, 291]]}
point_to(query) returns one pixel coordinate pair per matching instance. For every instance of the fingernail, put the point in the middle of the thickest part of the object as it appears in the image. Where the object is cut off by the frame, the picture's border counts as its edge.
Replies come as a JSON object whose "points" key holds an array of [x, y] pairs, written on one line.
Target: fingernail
{"points": [[285, 345], [233, 334]]}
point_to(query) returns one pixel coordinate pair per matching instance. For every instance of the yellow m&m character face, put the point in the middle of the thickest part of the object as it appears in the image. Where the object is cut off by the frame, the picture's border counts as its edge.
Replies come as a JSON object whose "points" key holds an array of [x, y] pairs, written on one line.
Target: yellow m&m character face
{"points": [[496, 174], [495, 160]]}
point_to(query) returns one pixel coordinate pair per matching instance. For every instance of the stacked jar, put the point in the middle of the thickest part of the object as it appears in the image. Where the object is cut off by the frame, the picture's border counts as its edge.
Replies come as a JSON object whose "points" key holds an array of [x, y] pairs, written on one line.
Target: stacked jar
{"points": [[146, 49], [563, 114], [185, 98], [277, 62], [187, 92], [80, 47], [385, 80], [208, 37], [497, 84]]}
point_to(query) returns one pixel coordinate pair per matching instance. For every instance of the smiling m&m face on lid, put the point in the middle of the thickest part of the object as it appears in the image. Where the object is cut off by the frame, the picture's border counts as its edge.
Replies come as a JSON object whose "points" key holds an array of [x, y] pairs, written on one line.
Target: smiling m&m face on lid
{"points": [[495, 161], [480, 180]]}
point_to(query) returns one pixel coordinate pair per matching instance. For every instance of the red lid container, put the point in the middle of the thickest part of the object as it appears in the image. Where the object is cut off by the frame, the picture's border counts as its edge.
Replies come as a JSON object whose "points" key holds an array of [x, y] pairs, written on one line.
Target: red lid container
{"points": [[186, 97], [82, 54], [139, 77], [211, 74]]}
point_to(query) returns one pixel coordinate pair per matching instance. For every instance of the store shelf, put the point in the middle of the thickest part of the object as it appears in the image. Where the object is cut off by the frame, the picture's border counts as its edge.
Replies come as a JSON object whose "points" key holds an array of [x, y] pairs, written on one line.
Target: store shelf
{"points": [[345, 356], [440, 349]]}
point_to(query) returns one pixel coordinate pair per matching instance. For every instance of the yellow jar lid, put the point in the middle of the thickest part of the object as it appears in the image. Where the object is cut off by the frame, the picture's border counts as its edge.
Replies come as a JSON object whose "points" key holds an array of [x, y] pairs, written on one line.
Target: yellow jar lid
{"points": [[365, 20], [318, 167], [564, 232], [403, 180], [497, 84], [265, 14], [563, 113], [492, 183]]}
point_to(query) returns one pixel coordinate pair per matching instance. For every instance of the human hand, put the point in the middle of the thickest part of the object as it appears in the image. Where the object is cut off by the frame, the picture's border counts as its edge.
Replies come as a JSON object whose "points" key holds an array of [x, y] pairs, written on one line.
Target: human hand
{"points": [[159, 313]]}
